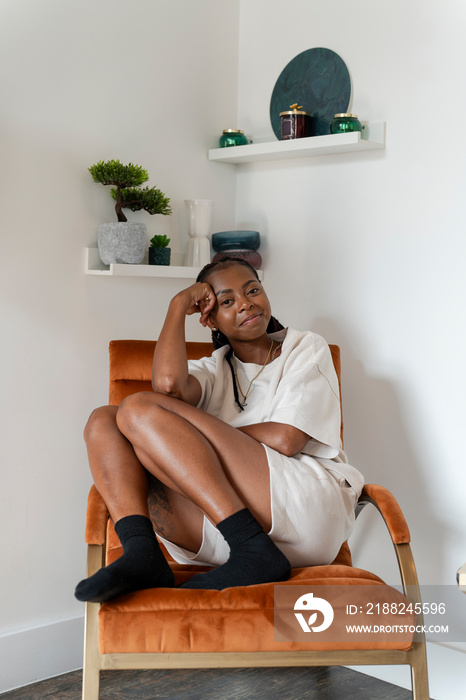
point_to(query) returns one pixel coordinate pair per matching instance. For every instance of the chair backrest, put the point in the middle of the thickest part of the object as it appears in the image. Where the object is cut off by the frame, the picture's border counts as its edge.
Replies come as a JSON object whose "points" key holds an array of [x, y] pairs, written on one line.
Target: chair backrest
{"points": [[131, 366]]}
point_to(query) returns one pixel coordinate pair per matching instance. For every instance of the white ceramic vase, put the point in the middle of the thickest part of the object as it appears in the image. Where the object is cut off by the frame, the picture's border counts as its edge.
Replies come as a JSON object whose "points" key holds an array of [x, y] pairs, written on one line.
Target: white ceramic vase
{"points": [[199, 213]]}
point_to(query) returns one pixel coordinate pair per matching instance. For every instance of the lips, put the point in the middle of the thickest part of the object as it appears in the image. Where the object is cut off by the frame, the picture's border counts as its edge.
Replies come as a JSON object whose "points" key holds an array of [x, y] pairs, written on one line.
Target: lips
{"points": [[250, 319]]}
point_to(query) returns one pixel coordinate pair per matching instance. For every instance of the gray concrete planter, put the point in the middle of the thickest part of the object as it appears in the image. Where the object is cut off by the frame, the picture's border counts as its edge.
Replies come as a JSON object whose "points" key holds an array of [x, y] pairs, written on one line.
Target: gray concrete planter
{"points": [[122, 242]]}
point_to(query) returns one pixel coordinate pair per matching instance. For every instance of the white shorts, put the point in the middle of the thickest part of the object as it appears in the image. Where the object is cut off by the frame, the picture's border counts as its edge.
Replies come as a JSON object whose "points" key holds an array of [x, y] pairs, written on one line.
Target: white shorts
{"points": [[312, 508]]}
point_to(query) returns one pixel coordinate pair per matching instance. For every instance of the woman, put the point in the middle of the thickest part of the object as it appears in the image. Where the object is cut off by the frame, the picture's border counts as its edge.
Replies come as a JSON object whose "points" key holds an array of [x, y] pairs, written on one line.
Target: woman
{"points": [[235, 460]]}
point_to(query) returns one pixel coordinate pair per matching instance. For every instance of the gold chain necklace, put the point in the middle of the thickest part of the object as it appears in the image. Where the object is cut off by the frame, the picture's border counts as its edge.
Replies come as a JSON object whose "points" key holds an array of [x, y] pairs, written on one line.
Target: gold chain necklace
{"points": [[245, 395]]}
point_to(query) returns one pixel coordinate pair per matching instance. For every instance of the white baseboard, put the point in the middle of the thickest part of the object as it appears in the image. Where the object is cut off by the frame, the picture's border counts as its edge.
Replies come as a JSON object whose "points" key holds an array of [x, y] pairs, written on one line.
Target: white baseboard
{"points": [[445, 666], [41, 652]]}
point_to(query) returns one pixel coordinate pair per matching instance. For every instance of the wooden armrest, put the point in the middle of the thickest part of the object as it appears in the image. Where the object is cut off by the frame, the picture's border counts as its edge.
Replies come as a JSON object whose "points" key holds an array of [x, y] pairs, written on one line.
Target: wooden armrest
{"points": [[389, 509], [96, 518]]}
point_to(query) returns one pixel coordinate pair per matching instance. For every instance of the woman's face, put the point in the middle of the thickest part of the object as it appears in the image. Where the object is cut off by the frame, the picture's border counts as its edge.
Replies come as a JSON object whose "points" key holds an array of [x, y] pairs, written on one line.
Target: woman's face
{"points": [[242, 309]]}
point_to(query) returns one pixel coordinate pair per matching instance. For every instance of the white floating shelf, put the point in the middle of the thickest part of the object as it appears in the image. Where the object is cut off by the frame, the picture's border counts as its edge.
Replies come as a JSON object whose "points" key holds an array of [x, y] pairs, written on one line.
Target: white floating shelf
{"points": [[95, 266], [371, 138]]}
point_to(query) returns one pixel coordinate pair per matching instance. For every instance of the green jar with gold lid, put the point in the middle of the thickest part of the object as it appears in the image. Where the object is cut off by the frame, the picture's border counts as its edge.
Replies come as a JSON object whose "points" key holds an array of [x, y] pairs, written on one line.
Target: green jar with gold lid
{"points": [[344, 123], [232, 137]]}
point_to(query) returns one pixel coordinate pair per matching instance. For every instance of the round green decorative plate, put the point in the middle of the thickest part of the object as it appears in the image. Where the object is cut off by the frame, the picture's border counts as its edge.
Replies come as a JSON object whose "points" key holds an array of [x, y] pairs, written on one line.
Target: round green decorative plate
{"points": [[317, 79]]}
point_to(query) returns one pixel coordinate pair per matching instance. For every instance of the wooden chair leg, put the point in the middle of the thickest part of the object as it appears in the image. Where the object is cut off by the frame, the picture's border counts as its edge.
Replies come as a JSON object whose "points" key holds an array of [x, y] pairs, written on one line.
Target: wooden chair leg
{"points": [[91, 668], [419, 677], [91, 664]]}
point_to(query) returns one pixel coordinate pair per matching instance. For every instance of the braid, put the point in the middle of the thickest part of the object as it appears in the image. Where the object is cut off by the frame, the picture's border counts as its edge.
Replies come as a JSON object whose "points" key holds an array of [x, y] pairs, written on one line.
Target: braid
{"points": [[228, 357], [219, 339], [274, 325]]}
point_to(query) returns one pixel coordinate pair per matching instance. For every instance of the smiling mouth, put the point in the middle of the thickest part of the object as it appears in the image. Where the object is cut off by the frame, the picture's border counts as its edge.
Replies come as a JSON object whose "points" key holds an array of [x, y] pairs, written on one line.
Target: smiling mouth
{"points": [[250, 319]]}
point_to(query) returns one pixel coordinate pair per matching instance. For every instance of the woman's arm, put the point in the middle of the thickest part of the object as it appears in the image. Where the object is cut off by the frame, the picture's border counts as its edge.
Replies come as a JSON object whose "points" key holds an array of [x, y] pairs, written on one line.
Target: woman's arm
{"points": [[279, 436], [170, 367]]}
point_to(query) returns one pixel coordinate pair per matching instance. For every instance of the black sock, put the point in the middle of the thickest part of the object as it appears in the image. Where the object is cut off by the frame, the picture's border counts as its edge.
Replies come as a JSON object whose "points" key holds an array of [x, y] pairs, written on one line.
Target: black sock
{"points": [[254, 558], [142, 564]]}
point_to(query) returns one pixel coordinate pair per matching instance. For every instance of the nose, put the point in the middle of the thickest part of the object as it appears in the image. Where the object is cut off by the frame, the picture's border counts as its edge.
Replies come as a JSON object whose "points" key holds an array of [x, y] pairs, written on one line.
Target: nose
{"points": [[244, 302]]}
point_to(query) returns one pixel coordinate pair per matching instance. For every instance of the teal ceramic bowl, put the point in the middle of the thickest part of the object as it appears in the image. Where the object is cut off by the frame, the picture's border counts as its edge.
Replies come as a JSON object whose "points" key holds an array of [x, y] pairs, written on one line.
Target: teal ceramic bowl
{"points": [[235, 240]]}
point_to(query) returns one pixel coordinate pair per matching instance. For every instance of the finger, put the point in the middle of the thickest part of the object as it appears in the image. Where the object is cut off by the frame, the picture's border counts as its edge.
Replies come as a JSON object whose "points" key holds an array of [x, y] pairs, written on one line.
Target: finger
{"points": [[205, 316], [207, 303]]}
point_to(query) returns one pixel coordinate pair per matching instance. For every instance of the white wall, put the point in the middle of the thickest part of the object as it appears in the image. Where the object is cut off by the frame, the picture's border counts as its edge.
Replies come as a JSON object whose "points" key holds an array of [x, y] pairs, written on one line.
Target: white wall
{"points": [[368, 249], [151, 82]]}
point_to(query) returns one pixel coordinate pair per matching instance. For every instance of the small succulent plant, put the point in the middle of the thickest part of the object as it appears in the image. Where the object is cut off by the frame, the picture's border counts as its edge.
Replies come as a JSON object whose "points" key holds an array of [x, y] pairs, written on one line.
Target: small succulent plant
{"points": [[159, 242]]}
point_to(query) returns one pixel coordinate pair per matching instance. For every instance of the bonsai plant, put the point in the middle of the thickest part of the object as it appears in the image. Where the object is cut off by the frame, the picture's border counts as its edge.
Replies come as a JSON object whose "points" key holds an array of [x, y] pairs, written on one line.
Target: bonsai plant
{"points": [[123, 241], [159, 253]]}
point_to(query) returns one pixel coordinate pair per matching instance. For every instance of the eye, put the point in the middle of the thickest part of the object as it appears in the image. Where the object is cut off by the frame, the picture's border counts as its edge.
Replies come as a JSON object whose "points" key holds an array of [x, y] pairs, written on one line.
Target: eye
{"points": [[253, 290], [225, 302]]}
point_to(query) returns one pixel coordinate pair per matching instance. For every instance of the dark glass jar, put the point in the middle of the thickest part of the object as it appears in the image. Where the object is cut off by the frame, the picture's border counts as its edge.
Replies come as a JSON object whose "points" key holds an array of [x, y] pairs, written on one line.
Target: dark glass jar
{"points": [[294, 124], [232, 137], [343, 123]]}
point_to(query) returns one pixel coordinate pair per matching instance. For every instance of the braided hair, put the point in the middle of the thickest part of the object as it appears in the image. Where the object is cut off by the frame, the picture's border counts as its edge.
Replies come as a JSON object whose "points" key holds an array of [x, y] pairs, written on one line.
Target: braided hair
{"points": [[219, 339]]}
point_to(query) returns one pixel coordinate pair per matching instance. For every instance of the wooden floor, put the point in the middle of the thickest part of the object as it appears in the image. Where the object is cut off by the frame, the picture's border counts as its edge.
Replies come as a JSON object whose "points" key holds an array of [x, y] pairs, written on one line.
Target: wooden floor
{"points": [[334, 683]]}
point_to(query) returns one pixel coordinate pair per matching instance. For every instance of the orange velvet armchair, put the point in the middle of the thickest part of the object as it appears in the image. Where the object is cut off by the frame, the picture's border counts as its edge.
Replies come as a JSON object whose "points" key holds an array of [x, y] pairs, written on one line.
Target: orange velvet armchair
{"points": [[182, 628]]}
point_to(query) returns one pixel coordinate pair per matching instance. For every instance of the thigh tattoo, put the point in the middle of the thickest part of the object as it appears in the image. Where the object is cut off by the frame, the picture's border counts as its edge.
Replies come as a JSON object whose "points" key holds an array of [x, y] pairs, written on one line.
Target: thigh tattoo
{"points": [[158, 503]]}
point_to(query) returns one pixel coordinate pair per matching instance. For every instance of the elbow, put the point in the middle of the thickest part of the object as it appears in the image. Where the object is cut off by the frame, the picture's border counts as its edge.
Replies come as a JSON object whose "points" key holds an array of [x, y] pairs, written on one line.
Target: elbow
{"points": [[289, 450], [287, 446], [166, 386], [291, 443]]}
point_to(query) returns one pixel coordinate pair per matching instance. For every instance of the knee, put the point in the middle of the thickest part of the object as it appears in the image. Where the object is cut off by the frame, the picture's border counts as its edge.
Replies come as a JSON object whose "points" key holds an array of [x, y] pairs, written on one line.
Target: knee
{"points": [[134, 411], [100, 422]]}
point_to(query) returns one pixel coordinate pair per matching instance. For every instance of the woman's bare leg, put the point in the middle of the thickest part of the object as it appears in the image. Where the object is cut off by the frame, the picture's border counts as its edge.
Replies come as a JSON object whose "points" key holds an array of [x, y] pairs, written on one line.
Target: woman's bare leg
{"points": [[117, 473], [200, 457], [123, 483], [219, 469], [205, 466]]}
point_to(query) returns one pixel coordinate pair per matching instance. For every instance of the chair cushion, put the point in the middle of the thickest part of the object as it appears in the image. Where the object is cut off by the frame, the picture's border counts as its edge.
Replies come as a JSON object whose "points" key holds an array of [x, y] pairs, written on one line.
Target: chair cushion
{"points": [[236, 619]]}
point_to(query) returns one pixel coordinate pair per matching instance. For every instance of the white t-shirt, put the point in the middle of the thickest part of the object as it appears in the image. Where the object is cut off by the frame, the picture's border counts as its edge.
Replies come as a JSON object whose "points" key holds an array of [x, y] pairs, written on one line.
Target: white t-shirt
{"points": [[299, 388]]}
